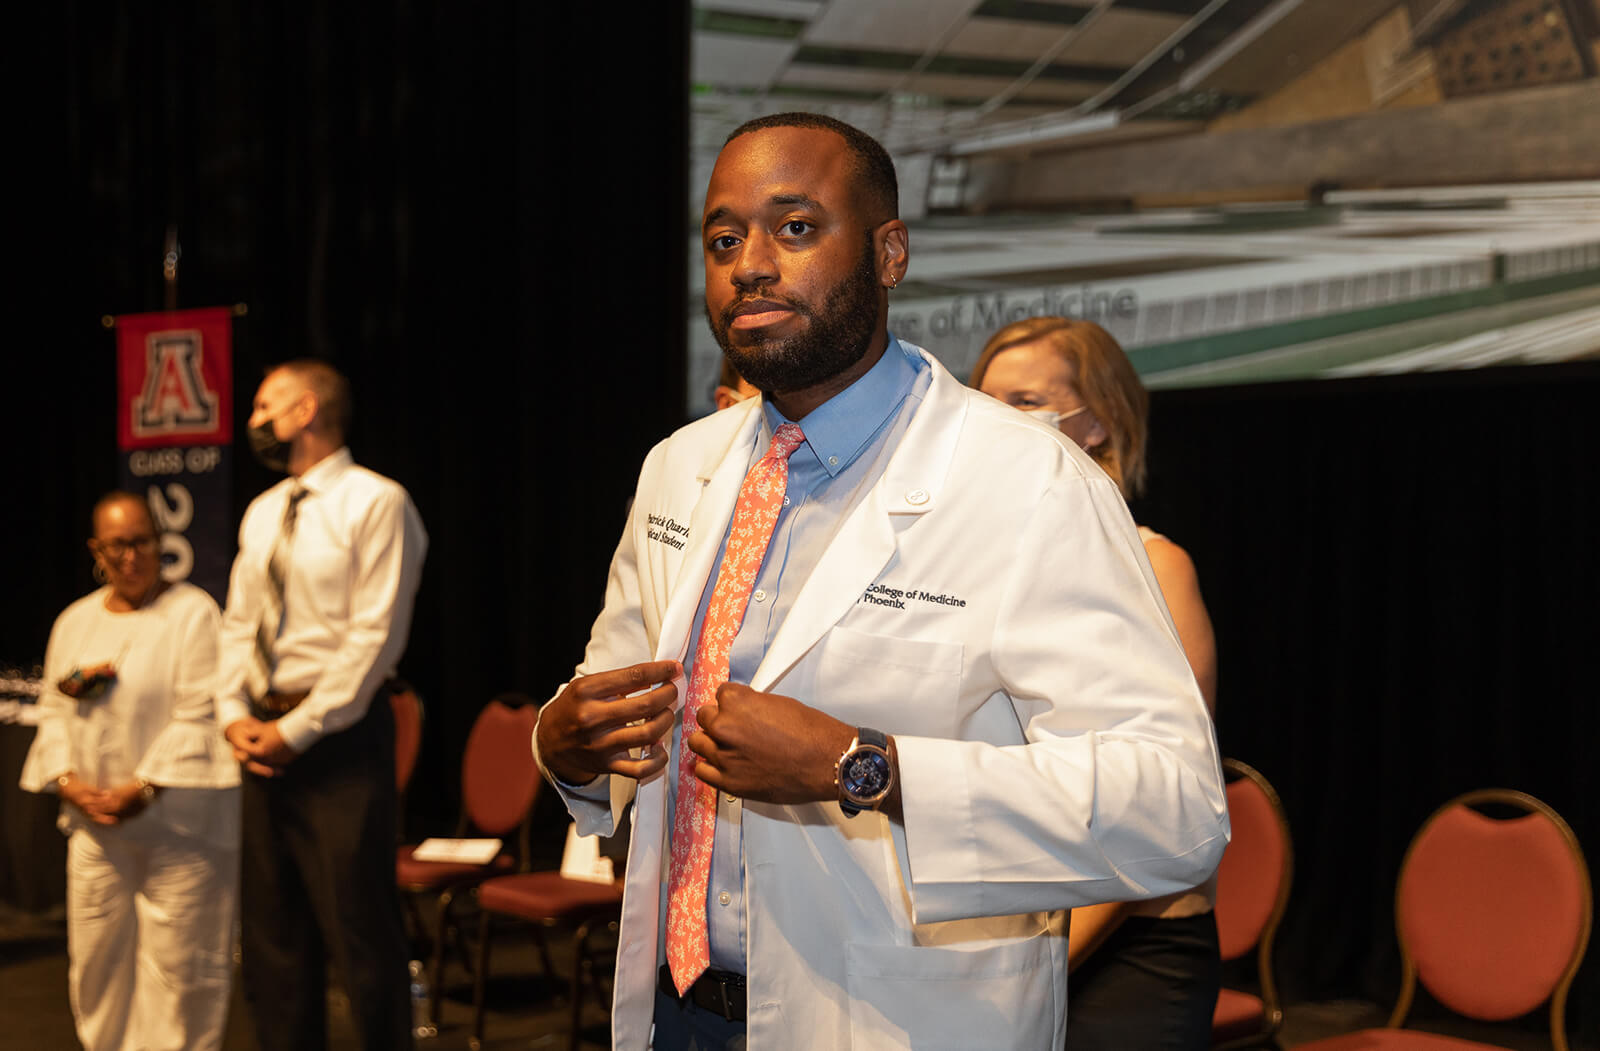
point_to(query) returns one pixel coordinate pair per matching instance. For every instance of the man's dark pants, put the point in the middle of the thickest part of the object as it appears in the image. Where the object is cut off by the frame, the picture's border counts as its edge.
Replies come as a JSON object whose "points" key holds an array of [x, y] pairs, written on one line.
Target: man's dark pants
{"points": [[317, 880]]}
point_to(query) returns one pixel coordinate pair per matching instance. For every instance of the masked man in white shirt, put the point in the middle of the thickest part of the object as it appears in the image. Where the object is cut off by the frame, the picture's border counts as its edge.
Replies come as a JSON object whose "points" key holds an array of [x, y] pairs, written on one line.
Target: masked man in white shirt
{"points": [[319, 605], [937, 698]]}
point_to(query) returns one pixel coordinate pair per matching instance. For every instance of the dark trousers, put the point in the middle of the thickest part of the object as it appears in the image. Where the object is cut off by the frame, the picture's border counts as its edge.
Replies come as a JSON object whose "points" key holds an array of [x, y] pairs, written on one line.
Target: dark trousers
{"points": [[681, 1026], [317, 880], [1152, 985]]}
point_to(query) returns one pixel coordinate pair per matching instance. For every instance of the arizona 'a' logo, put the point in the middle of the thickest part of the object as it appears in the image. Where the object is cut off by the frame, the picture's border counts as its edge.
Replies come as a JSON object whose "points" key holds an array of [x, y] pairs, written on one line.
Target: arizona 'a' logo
{"points": [[175, 399]]}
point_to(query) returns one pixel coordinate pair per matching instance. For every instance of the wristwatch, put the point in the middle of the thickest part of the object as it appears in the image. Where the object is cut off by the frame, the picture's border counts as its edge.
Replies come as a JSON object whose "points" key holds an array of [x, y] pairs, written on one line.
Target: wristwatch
{"points": [[864, 773]]}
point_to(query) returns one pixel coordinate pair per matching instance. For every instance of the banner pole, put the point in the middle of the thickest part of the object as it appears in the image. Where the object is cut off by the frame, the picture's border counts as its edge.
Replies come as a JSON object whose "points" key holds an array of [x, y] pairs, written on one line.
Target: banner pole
{"points": [[169, 267]]}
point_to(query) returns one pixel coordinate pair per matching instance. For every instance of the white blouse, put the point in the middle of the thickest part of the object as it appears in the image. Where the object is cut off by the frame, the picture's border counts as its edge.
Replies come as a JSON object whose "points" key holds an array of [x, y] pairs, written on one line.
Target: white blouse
{"points": [[155, 722]]}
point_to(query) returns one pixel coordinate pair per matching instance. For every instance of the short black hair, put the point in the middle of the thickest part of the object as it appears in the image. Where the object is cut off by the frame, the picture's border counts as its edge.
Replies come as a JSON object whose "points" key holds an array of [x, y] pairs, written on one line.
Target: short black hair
{"points": [[873, 168]]}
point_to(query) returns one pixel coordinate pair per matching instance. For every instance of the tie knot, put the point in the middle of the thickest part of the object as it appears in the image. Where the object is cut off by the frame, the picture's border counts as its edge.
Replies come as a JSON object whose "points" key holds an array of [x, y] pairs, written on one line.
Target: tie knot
{"points": [[291, 510], [785, 440]]}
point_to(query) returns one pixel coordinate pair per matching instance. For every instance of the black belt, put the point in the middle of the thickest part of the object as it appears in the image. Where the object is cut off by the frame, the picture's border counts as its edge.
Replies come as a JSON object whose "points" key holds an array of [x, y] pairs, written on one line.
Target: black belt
{"points": [[276, 703], [721, 992]]}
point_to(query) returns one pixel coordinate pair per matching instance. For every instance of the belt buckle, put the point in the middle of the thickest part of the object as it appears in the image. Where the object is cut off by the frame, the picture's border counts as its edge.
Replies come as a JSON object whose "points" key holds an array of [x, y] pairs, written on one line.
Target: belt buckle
{"points": [[710, 992], [729, 1011]]}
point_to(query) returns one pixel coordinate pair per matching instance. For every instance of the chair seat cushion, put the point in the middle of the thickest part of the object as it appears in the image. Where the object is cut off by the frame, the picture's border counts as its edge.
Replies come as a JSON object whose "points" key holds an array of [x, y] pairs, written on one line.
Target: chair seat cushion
{"points": [[419, 876], [1237, 1015], [546, 895], [1394, 1040]]}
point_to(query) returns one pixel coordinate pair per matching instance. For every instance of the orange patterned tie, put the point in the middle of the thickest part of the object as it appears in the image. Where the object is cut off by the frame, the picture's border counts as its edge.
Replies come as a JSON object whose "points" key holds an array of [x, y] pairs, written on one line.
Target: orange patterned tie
{"points": [[694, 820]]}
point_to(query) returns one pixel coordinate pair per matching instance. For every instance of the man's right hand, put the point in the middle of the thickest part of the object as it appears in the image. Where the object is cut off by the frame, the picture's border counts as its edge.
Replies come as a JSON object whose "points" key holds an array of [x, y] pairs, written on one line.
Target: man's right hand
{"points": [[590, 727], [245, 735]]}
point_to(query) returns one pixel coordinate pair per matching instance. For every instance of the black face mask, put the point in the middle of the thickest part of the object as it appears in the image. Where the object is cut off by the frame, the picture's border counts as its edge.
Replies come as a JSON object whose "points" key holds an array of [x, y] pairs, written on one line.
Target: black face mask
{"points": [[272, 451]]}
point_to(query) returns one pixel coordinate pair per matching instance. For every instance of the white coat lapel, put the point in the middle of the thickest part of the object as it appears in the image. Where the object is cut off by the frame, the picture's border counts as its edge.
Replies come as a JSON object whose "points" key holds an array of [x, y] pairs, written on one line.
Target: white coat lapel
{"points": [[866, 541], [720, 476]]}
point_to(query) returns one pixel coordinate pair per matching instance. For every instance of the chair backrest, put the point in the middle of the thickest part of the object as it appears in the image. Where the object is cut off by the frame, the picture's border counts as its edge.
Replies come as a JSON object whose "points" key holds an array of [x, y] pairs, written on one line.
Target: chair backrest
{"points": [[1257, 868], [499, 777], [1253, 879], [408, 716], [1493, 913]]}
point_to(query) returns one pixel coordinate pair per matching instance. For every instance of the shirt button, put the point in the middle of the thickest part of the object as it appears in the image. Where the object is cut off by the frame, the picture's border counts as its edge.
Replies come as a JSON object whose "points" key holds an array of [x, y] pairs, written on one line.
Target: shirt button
{"points": [[760, 595], [724, 898], [786, 501], [833, 461], [917, 497]]}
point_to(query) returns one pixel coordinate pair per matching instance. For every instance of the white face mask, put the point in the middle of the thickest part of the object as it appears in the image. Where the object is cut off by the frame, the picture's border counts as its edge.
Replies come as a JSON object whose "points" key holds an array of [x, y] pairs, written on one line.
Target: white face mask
{"points": [[1052, 418]]}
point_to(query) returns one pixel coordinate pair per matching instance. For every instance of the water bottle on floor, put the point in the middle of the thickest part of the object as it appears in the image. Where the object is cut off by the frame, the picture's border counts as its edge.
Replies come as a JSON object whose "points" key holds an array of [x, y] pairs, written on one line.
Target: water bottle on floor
{"points": [[421, 1026]]}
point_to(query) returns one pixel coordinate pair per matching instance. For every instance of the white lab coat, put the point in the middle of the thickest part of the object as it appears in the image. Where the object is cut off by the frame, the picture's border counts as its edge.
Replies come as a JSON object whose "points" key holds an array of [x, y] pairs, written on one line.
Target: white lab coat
{"points": [[1054, 750]]}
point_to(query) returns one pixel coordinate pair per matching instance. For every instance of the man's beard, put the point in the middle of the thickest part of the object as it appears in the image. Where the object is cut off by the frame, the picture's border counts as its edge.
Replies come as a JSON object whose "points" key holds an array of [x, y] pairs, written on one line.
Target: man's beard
{"points": [[838, 335]]}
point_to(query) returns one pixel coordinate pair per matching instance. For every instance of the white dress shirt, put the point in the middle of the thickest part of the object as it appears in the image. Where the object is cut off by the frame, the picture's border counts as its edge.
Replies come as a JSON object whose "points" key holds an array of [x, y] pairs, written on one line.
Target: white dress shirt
{"points": [[354, 565]]}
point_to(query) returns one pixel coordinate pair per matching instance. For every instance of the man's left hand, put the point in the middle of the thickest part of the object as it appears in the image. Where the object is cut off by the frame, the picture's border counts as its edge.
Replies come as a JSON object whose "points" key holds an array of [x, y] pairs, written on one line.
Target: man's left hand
{"points": [[259, 746], [767, 747], [271, 748]]}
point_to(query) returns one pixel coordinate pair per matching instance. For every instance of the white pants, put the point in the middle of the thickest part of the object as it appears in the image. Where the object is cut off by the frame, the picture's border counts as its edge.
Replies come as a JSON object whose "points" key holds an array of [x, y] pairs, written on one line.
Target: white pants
{"points": [[150, 921]]}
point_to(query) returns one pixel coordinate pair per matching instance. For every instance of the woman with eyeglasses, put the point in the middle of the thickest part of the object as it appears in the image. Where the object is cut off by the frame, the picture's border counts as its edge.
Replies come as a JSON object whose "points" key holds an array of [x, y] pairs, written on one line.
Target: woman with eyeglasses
{"points": [[1142, 974], [149, 797]]}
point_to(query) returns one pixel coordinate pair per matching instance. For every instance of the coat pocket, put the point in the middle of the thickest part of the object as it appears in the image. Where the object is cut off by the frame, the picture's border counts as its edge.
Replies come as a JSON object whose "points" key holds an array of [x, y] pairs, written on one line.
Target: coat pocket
{"points": [[1009, 995], [896, 684]]}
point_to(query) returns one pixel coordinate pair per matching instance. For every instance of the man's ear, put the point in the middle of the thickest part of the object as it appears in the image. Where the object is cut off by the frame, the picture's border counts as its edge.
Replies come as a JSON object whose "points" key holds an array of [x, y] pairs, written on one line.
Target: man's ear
{"points": [[306, 408], [892, 246]]}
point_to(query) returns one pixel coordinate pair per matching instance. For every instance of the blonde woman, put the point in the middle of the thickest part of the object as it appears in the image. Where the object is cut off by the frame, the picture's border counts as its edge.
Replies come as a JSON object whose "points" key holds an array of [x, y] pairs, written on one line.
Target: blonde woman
{"points": [[1143, 974]]}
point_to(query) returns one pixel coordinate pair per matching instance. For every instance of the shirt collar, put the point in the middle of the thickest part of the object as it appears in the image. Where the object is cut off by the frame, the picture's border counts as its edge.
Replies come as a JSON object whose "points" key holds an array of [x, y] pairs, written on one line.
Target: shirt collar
{"points": [[325, 471], [839, 428]]}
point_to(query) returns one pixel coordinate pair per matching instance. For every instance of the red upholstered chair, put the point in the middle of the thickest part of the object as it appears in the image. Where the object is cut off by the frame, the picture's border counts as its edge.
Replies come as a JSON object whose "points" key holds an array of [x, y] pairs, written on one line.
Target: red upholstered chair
{"points": [[1252, 892], [499, 784], [1493, 916], [547, 899], [408, 716]]}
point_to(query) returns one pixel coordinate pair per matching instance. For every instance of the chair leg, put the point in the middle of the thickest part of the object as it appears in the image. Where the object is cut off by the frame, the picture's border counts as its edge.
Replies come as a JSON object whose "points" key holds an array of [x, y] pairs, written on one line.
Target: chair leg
{"points": [[410, 917], [436, 986], [479, 979], [544, 950], [580, 944]]}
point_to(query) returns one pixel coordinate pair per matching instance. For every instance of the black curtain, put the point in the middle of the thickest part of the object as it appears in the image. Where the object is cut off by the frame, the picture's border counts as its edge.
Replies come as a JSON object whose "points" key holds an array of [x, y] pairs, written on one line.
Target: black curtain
{"points": [[437, 198], [1401, 573]]}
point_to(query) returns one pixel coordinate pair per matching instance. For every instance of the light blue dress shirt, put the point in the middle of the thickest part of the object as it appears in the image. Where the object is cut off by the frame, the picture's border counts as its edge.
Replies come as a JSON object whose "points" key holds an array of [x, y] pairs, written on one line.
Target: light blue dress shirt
{"points": [[849, 441]]}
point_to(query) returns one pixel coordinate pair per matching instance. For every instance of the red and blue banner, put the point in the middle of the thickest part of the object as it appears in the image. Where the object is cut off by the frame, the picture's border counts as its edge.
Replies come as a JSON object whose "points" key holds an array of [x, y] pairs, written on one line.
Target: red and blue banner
{"points": [[175, 435]]}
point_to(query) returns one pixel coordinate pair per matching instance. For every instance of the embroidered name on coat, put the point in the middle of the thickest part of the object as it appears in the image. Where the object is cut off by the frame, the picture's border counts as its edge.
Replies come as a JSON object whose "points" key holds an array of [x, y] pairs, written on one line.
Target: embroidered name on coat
{"points": [[665, 530]]}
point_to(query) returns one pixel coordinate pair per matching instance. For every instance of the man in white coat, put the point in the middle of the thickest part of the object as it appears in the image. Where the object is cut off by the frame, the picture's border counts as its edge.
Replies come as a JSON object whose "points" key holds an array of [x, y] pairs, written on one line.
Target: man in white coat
{"points": [[954, 704]]}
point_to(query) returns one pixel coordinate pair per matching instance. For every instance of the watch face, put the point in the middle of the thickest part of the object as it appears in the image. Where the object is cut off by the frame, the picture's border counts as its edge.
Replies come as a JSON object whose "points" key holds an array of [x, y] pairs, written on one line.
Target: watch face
{"points": [[865, 775]]}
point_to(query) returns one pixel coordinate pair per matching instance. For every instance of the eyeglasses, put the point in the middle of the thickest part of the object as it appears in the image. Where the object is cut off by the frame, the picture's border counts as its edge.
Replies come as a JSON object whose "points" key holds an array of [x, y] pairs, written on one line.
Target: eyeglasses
{"points": [[116, 549]]}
